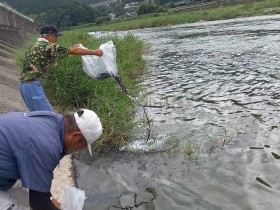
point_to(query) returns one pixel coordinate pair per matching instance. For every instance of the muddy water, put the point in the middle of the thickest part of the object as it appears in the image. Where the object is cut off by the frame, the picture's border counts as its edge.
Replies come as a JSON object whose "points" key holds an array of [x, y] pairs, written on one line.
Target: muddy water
{"points": [[213, 96]]}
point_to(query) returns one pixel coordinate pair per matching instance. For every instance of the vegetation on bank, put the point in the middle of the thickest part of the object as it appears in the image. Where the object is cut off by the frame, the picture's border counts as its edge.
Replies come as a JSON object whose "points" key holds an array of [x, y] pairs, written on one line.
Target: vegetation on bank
{"points": [[69, 88], [68, 13], [264, 7]]}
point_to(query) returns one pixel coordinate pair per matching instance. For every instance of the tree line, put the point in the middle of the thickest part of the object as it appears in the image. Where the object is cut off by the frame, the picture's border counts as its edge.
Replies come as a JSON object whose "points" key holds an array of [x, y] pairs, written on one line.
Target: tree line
{"points": [[68, 13]]}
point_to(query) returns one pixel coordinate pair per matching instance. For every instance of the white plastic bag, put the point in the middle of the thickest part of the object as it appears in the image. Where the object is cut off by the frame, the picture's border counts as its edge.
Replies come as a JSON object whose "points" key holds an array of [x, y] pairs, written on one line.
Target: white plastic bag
{"points": [[73, 198], [17, 198], [104, 66]]}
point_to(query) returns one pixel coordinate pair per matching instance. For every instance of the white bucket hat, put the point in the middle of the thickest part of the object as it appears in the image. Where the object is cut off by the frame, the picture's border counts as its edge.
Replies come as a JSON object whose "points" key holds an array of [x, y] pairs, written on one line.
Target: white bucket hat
{"points": [[90, 126]]}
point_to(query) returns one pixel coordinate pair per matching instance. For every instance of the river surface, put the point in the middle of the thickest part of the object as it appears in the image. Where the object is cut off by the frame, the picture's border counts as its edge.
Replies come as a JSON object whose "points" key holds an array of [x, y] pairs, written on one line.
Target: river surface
{"points": [[213, 97]]}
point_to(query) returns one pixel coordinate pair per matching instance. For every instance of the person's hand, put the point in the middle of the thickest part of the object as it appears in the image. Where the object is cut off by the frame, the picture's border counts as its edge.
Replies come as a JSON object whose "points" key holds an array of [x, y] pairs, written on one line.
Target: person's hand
{"points": [[56, 203], [98, 52]]}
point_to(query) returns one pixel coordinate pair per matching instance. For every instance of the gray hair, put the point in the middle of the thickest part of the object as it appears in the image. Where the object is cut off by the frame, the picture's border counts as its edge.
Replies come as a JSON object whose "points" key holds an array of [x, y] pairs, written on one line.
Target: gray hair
{"points": [[71, 124], [43, 35]]}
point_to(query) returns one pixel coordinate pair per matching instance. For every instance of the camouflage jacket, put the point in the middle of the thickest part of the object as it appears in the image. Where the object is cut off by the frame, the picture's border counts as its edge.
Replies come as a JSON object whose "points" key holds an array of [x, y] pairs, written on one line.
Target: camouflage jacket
{"points": [[39, 58]]}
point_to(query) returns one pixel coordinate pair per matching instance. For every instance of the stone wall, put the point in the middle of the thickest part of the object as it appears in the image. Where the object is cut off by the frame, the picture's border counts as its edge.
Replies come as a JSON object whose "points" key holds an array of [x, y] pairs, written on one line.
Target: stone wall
{"points": [[11, 19]]}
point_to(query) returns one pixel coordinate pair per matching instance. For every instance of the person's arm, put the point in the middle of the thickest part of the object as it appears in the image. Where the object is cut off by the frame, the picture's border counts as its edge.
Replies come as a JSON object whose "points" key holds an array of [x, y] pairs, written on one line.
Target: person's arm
{"points": [[82, 51], [42, 201]]}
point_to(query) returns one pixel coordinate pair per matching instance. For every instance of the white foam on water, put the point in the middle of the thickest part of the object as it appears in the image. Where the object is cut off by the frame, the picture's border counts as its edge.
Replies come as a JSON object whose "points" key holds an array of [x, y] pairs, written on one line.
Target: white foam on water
{"points": [[160, 143]]}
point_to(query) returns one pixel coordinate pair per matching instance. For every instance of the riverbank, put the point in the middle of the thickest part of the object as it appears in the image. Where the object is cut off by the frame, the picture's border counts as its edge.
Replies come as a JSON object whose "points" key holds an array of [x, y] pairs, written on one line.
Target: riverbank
{"points": [[243, 9], [69, 88], [125, 65]]}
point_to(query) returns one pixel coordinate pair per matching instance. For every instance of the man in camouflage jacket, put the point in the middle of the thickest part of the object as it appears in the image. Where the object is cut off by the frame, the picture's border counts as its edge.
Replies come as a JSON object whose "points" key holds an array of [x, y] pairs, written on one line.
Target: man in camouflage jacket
{"points": [[39, 58]]}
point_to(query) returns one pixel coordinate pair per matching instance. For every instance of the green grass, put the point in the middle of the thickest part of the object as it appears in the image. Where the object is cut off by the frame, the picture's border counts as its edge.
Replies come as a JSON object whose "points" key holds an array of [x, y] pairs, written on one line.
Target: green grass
{"points": [[68, 88], [264, 7]]}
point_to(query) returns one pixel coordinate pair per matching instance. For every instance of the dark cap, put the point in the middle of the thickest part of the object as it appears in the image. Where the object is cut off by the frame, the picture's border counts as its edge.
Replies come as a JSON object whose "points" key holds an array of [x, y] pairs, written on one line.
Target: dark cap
{"points": [[50, 29]]}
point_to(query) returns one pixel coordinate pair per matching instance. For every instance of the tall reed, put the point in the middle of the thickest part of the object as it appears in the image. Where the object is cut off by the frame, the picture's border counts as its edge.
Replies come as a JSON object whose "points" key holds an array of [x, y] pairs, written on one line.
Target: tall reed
{"points": [[69, 88]]}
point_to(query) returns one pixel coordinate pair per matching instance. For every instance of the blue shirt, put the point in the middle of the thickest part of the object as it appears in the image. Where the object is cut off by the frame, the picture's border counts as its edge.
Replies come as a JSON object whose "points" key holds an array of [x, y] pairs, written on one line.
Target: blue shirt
{"points": [[31, 146]]}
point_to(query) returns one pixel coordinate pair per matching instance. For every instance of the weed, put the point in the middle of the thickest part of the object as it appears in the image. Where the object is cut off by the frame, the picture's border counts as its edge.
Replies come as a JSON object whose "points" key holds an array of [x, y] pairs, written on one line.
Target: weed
{"points": [[69, 88], [226, 138], [187, 149], [192, 148]]}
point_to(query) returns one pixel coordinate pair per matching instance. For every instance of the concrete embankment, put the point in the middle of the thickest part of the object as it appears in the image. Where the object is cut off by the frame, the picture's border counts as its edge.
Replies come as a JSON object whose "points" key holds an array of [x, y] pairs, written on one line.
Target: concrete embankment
{"points": [[10, 41], [9, 18], [11, 100], [14, 28]]}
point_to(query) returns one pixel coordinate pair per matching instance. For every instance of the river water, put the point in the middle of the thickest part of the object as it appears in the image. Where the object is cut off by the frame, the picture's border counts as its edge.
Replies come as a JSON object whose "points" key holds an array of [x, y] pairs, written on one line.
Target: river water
{"points": [[212, 97]]}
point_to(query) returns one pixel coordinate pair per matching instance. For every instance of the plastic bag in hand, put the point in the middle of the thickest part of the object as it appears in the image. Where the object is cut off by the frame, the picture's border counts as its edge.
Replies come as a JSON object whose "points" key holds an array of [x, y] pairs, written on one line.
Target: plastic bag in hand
{"points": [[73, 198], [104, 66]]}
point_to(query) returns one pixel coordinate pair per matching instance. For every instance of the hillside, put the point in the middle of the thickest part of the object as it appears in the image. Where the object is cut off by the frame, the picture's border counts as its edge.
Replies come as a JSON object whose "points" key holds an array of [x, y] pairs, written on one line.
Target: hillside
{"points": [[89, 1], [36, 6], [68, 13], [62, 13]]}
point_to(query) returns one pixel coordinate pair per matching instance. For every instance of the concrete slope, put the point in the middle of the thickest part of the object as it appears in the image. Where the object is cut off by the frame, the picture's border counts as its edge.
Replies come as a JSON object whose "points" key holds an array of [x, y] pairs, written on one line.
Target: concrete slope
{"points": [[9, 73], [10, 100]]}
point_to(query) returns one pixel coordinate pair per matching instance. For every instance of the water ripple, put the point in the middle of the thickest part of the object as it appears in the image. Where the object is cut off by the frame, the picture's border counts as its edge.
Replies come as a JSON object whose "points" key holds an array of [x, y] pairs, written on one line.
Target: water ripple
{"points": [[215, 86]]}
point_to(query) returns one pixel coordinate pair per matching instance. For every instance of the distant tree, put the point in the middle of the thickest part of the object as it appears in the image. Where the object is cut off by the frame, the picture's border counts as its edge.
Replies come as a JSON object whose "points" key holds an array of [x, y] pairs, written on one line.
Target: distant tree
{"points": [[89, 1], [62, 13], [146, 8], [101, 20], [161, 2], [161, 9], [40, 19]]}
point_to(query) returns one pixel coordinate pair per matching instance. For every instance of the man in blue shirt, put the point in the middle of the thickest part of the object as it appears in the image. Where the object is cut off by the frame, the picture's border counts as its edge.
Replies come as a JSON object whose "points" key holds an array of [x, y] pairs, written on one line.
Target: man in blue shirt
{"points": [[32, 144]]}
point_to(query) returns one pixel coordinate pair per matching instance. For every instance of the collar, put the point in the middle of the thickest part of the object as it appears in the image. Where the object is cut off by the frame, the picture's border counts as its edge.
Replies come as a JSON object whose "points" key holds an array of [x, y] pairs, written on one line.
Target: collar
{"points": [[42, 40]]}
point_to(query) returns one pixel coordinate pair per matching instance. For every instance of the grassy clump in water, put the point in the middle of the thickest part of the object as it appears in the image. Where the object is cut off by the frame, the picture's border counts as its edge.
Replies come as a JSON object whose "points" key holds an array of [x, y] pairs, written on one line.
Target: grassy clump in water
{"points": [[69, 88]]}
